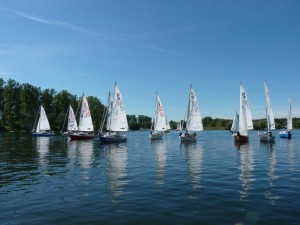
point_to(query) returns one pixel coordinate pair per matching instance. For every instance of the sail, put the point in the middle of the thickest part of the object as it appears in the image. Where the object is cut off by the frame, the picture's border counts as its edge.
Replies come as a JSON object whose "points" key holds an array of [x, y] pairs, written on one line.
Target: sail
{"points": [[109, 107], [245, 103], [269, 110], [289, 118], [235, 123], [118, 119], [194, 120], [160, 119], [168, 127], [43, 123], [72, 123], [85, 120]]}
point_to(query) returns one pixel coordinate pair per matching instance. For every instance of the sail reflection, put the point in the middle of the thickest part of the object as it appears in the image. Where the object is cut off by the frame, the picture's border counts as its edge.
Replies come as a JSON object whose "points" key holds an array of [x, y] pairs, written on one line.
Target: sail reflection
{"points": [[160, 149], [116, 168], [72, 149], [271, 153], [246, 169], [194, 157], [291, 155], [42, 146]]}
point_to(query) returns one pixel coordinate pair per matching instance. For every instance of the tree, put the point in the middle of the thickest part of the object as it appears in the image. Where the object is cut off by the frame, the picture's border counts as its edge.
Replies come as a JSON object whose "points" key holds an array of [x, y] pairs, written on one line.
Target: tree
{"points": [[11, 109]]}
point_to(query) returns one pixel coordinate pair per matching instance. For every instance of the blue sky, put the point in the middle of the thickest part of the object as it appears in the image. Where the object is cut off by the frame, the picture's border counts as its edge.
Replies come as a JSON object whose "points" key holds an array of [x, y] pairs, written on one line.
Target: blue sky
{"points": [[154, 45]]}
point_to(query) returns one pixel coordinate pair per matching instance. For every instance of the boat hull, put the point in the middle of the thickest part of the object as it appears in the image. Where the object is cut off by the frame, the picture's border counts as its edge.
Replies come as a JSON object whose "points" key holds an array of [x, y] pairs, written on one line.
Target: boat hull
{"points": [[155, 136], [285, 134], [112, 138], [266, 137], [240, 138], [48, 134], [186, 137], [81, 136]]}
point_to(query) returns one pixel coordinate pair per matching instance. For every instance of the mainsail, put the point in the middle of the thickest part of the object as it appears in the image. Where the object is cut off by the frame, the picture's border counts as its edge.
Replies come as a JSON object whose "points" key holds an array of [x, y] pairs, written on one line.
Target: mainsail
{"points": [[117, 121], [194, 120], [43, 123], [85, 120], [245, 117], [269, 111], [72, 124], [160, 119], [289, 118]]}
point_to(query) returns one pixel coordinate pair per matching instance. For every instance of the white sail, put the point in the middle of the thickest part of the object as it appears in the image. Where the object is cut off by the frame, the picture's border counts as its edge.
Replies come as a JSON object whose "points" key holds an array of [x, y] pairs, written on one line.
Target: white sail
{"points": [[168, 127], [269, 111], [235, 123], [289, 118], [160, 119], [85, 120], [72, 123], [118, 119], [194, 120], [43, 123], [246, 105], [109, 107]]}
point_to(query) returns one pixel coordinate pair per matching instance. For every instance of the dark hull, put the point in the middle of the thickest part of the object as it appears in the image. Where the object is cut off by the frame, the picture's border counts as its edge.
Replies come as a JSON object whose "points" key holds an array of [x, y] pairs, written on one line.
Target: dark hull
{"points": [[240, 138], [80, 137]]}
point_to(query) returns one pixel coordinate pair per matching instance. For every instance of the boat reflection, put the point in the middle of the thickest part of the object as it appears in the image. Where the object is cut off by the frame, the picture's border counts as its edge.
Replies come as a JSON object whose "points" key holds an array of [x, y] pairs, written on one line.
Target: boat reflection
{"points": [[291, 155], [246, 168], [42, 146], [271, 157], [160, 150], [117, 157], [194, 158], [81, 153]]}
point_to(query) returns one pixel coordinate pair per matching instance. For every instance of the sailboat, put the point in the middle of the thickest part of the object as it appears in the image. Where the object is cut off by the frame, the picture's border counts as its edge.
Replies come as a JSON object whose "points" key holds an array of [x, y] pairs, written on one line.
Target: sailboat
{"points": [[85, 128], [158, 122], [42, 128], [289, 126], [71, 124], [242, 122], [193, 118], [168, 128], [179, 128], [116, 119], [268, 136]]}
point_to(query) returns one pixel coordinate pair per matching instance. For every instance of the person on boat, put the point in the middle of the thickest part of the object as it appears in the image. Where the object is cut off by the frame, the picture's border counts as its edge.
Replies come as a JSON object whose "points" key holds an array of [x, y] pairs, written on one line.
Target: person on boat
{"points": [[194, 134], [151, 132], [187, 133]]}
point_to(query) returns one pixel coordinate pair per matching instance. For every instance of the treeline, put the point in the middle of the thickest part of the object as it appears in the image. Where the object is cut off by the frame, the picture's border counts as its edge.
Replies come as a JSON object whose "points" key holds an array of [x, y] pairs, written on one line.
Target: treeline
{"points": [[19, 104]]}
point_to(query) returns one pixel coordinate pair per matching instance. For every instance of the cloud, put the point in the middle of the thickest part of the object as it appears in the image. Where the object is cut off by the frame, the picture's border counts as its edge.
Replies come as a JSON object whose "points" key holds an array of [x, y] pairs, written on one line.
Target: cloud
{"points": [[163, 50]]}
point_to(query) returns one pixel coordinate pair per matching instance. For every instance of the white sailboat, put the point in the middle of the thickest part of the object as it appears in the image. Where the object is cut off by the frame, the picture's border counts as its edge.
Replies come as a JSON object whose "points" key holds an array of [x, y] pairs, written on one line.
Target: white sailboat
{"points": [[43, 127], [179, 128], [168, 127], [289, 126], [243, 122], [268, 136], [193, 118], [116, 119], [158, 122], [85, 128], [71, 123]]}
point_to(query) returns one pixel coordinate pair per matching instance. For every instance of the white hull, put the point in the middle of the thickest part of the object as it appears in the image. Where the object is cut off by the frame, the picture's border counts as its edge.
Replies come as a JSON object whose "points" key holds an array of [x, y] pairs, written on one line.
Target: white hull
{"points": [[266, 137], [156, 136]]}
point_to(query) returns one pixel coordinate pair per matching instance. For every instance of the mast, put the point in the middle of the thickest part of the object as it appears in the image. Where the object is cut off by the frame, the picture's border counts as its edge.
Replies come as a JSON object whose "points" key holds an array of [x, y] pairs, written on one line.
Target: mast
{"points": [[67, 114]]}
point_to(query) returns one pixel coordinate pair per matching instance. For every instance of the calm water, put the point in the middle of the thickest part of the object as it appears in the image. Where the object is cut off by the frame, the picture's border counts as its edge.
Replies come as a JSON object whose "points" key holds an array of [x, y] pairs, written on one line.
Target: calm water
{"points": [[56, 181]]}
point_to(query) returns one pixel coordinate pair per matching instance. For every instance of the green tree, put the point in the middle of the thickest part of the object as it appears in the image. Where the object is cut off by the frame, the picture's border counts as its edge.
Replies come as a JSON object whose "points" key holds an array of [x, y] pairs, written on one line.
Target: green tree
{"points": [[29, 96], [11, 112]]}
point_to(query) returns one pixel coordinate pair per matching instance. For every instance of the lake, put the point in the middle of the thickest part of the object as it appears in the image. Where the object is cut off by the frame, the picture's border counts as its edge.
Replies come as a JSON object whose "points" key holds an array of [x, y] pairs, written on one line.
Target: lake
{"points": [[52, 180]]}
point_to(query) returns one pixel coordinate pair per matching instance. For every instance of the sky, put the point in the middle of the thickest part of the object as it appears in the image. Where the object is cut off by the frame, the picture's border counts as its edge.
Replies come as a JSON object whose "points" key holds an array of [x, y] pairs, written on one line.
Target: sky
{"points": [[161, 46]]}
